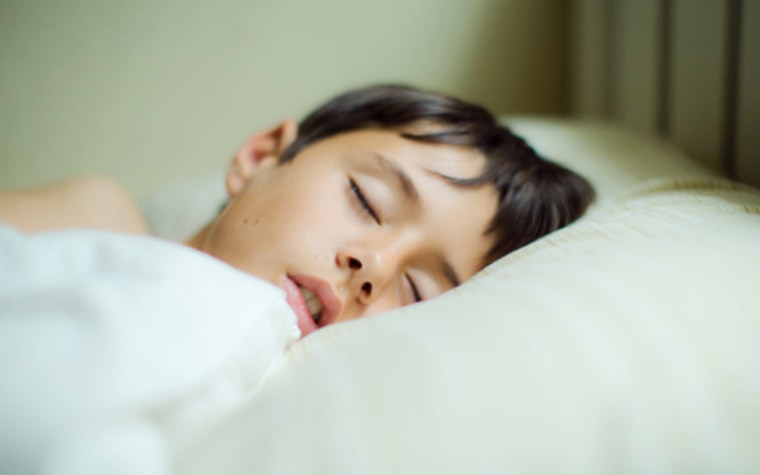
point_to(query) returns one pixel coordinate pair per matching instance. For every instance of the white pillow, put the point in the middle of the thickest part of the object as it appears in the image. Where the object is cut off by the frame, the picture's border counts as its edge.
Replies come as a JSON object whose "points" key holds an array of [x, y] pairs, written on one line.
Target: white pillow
{"points": [[612, 158], [626, 342], [179, 211]]}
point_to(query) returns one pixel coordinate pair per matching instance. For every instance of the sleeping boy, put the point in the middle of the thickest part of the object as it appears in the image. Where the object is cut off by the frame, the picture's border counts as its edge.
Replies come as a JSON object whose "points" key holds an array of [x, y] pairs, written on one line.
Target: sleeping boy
{"points": [[120, 353], [382, 197]]}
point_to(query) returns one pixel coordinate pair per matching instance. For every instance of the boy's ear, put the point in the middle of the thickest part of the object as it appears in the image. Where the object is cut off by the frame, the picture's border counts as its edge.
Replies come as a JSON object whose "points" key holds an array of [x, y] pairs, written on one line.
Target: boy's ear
{"points": [[261, 150]]}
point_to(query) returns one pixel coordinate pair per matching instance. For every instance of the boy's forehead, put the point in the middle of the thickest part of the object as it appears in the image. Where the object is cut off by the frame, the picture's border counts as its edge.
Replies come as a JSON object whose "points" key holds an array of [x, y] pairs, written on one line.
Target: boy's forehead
{"points": [[451, 161], [393, 145]]}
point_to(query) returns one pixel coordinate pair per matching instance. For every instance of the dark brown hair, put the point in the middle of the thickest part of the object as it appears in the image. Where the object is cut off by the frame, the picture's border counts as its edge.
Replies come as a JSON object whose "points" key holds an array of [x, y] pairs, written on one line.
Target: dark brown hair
{"points": [[536, 196]]}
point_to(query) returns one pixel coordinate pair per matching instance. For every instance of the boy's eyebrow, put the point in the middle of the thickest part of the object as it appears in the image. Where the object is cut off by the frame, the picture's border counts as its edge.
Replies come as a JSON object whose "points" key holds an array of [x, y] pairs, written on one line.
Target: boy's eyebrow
{"points": [[405, 183], [410, 191]]}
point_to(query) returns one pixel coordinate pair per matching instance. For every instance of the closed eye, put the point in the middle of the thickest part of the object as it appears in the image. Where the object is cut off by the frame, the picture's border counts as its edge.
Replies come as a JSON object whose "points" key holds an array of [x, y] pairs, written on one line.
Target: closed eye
{"points": [[415, 291], [366, 206]]}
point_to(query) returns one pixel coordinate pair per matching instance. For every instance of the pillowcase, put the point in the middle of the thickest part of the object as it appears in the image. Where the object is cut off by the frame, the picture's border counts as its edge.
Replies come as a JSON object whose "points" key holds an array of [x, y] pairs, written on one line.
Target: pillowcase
{"points": [[626, 343], [180, 210], [623, 343], [611, 157]]}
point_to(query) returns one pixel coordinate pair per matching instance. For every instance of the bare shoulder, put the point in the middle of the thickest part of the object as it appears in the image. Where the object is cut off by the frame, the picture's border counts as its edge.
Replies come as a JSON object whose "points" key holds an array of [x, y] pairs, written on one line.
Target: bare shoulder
{"points": [[93, 202], [107, 204]]}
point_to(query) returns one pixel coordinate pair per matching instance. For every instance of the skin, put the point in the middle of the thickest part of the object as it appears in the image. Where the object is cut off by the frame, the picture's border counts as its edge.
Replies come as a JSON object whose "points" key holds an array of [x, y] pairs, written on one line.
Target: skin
{"points": [[338, 221], [85, 202], [335, 220]]}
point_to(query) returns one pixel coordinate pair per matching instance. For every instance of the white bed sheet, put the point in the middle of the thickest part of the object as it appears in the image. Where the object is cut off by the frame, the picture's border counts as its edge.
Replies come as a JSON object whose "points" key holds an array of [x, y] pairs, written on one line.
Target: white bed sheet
{"points": [[116, 351]]}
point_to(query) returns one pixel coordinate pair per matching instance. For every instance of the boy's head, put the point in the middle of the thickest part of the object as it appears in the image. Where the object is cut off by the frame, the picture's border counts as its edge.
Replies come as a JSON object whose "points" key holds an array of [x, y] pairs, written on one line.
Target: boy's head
{"points": [[384, 196]]}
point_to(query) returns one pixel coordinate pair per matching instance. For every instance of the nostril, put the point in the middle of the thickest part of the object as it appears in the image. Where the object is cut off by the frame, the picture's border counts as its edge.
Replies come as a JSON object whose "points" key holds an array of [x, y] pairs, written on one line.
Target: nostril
{"points": [[354, 263], [367, 288]]}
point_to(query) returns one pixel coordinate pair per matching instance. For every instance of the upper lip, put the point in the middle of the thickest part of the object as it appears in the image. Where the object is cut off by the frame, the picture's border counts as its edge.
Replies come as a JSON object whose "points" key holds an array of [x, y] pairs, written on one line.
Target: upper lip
{"points": [[328, 297]]}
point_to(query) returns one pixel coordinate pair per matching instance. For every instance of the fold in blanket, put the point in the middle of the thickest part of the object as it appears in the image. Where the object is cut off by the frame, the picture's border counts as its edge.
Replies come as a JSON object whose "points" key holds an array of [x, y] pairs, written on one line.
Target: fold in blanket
{"points": [[117, 352]]}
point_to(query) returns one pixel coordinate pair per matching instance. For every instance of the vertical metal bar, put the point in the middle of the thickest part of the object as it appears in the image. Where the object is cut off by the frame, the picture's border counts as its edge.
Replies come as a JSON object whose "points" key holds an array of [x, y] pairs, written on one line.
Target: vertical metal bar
{"points": [[731, 93]]}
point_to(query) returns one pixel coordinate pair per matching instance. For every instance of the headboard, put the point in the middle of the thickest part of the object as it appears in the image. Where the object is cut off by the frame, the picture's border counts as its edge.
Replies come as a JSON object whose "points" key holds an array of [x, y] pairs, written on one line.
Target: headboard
{"points": [[687, 70]]}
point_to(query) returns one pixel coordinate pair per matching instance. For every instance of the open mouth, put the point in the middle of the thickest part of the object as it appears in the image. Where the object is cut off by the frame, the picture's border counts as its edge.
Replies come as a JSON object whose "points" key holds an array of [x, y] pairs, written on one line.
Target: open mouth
{"points": [[313, 304], [314, 301]]}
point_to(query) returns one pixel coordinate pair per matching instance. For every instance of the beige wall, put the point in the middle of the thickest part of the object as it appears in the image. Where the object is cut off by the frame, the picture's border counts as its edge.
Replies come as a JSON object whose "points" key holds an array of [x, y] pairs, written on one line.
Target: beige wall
{"points": [[153, 91]]}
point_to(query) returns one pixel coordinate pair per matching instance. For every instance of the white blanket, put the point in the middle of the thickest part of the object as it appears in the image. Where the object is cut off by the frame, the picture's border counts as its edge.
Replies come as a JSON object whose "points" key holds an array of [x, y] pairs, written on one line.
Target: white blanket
{"points": [[118, 353]]}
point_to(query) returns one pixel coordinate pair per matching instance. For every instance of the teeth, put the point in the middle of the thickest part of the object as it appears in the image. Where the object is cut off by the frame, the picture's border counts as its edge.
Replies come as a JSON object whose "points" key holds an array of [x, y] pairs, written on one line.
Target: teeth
{"points": [[312, 303]]}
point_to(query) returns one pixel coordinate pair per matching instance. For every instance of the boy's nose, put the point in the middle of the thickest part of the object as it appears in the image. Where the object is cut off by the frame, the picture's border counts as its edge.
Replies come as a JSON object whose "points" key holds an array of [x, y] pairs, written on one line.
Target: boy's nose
{"points": [[365, 286], [370, 268]]}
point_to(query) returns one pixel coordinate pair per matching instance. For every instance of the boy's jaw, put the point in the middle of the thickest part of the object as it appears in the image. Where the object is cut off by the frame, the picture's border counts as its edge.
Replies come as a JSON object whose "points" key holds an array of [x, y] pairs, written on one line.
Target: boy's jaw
{"points": [[317, 289]]}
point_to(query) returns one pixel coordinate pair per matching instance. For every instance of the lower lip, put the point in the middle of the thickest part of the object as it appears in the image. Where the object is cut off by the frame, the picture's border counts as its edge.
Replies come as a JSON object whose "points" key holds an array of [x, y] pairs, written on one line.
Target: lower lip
{"points": [[295, 299]]}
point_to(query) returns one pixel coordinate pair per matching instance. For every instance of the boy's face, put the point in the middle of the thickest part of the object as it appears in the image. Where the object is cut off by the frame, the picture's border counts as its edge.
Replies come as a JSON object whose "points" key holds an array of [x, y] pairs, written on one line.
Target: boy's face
{"points": [[355, 224]]}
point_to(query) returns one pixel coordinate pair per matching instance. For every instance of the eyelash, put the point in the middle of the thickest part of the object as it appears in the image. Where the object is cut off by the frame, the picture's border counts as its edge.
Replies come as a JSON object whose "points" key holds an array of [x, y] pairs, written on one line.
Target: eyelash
{"points": [[415, 291], [362, 200]]}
